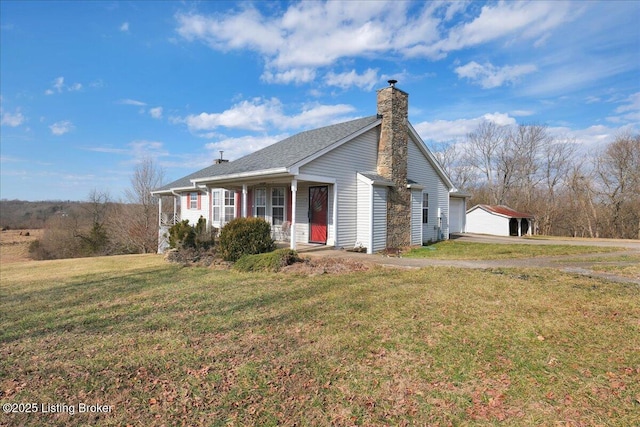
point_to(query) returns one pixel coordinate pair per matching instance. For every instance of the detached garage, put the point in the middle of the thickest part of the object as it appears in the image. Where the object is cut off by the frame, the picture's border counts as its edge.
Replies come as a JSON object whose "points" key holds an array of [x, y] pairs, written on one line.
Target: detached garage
{"points": [[499, 220]]}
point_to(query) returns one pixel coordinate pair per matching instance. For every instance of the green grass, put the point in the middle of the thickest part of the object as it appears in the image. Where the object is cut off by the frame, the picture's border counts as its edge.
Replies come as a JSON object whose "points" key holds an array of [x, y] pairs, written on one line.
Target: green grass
{"points": [[167, 345], [450, 249]]}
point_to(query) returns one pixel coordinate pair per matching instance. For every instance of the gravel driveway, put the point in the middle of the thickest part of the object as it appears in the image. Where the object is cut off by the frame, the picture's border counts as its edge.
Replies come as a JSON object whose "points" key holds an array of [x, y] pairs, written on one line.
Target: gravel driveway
{"points": [[577, 264]]}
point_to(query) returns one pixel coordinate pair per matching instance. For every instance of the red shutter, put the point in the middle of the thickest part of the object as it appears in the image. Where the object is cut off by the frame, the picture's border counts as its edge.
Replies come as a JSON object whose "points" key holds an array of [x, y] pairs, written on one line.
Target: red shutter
{"points": [[288, 218], [238, 198], [199, 201], [249, 203]]}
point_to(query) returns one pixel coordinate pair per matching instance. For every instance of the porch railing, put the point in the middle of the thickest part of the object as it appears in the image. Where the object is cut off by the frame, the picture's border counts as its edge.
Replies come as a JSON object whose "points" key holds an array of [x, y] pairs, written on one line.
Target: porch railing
{"points": [[169, 219]]}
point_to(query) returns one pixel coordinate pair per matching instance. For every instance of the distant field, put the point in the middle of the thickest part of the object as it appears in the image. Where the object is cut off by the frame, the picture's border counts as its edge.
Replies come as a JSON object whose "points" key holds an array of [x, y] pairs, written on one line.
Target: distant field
{"points": [[14, 244], [160, 344]]}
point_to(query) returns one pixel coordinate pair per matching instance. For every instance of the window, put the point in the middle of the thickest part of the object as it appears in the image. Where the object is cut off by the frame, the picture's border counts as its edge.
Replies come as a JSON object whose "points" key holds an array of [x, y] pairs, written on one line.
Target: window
{"points": [[277, 206], [261, 202], [425, 208], [217, 204], [193, 200], [229, 205]]}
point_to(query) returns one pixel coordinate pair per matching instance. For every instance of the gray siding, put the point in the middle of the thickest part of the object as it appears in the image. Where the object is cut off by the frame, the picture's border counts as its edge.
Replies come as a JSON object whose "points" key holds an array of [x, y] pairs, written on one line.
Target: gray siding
{"points": [[416, 217], [357, 155], [421, 171], [379, 219]]}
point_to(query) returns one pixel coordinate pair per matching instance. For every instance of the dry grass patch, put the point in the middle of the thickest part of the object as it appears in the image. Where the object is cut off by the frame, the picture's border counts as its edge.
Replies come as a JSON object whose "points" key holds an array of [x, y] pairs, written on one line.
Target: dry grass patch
{"points": [[451, 249], [166, 345], [14, 244]]}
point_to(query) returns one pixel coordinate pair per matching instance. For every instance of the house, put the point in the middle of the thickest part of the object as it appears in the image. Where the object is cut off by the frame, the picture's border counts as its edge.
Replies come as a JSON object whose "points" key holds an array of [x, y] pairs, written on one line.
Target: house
{"points": [[499, 221], [370, 183]]}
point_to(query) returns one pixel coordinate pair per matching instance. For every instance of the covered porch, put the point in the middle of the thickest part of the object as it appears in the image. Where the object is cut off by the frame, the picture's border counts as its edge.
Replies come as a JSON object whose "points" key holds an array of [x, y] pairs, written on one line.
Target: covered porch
{"points": [[301, 209]]}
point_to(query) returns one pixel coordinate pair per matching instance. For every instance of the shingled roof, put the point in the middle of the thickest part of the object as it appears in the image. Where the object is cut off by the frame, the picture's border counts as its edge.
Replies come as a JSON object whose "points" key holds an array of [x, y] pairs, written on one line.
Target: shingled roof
{"points": [[282, 154], [503, 211]]}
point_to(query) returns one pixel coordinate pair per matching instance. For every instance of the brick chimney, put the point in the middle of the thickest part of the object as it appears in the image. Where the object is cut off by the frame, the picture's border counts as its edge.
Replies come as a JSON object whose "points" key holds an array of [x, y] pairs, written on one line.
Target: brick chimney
{"points": [[393, 107]]}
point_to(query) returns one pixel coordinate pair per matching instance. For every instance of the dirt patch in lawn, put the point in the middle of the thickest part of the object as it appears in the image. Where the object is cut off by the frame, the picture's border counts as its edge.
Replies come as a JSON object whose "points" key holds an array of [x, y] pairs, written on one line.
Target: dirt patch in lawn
{"points": [[329, 265]]}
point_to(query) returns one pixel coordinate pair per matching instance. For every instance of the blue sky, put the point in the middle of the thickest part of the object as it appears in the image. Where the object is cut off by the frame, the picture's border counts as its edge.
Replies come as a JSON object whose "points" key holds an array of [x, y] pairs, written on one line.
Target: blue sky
{"points": [[91, 88]]}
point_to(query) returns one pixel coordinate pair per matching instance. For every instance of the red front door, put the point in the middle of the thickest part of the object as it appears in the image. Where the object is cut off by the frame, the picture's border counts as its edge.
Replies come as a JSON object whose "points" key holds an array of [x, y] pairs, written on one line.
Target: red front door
{"points": [[318, 213]]}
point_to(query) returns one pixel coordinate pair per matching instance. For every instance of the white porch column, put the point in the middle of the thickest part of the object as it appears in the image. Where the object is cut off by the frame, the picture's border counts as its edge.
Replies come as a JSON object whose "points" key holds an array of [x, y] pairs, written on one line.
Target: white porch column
{"points": [[334, 215], [519, 227], [176, 200], [292, 229], [160, 211], [244, 200]]}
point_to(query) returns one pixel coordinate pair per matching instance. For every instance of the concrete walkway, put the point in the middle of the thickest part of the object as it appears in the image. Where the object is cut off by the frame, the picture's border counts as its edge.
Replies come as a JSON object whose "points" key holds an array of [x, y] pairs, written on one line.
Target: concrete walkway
{"points": [[577, 264]]}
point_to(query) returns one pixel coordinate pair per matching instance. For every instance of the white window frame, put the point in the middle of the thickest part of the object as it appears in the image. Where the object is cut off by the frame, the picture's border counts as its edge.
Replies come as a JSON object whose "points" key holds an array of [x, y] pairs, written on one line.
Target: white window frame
{"points": [[257, 203], [425, 208], [193, 200], [216, 205], [229, 205], [278, 206]]}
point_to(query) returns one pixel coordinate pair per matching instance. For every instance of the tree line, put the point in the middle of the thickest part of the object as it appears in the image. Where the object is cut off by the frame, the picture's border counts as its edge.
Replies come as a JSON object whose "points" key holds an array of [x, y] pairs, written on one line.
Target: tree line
{"points": [[104, 226], [571, 192]]}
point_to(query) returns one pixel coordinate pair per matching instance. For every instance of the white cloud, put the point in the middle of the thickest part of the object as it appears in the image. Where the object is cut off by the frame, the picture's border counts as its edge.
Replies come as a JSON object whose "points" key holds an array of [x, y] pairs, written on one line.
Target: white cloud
{"points": [[513, 20], [489, 76], [366, 80], [522, 113], [58, 86], [457, 130], [132, 102], [12, 119], [628, 112], [235, 148], [632, 103], [259, 114], [309, 35], [294, 75], [62, 127], [124, 27], [156, 112]]}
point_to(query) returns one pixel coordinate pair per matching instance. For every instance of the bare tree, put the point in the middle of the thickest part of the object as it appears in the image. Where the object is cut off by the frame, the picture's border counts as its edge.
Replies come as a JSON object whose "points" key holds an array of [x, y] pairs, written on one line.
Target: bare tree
{"points": [[485, 146], [450, 158], [618, 168], [141, 215]]}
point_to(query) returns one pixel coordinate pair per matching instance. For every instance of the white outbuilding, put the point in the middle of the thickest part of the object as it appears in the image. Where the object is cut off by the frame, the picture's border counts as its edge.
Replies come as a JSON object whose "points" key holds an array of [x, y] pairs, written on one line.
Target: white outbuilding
{"points": [[499, 220]]}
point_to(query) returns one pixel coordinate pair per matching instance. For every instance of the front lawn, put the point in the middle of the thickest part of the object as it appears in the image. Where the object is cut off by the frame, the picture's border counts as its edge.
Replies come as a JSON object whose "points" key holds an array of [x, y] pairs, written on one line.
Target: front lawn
{"points": [[161, 344], [451, 249]]}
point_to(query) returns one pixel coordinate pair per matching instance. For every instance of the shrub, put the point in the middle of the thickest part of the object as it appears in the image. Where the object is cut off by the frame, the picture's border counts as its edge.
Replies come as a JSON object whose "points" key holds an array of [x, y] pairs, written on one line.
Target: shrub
{"points": [[272, 261], [204, 239], [182, 235], [245, 236]]}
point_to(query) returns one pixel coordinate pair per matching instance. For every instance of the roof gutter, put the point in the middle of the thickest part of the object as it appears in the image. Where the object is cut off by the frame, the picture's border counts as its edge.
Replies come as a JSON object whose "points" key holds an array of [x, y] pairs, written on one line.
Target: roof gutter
{"points": [[242, 175]]}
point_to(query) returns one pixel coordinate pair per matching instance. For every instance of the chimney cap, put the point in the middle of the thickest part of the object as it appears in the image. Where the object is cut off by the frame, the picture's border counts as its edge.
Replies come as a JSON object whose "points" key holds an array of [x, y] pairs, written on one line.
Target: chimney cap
{"points": [[392, 82]]}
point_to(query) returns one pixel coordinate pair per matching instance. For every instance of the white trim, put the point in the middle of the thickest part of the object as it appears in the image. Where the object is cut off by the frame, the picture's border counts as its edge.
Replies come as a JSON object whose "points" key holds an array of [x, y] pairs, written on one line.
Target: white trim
{"points": [[334, 240], [244, 200], [315, 178], [292, 220], [366, 180], [371, 225], [282, 170]]}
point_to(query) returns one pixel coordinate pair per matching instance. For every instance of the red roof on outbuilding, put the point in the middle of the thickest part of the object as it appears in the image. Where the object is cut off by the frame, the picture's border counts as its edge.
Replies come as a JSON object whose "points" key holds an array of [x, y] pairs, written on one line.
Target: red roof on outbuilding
{"points": [[506, 211]]}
